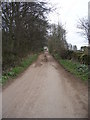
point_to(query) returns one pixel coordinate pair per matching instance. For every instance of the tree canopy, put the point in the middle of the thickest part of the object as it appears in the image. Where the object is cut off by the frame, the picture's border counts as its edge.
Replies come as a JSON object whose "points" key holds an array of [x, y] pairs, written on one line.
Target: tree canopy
{"points": [[24, 29]]}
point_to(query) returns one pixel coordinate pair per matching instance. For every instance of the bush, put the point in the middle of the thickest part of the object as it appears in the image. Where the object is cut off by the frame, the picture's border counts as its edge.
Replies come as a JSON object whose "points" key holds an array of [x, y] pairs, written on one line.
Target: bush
{"points": [[66, 54], [18, 69], [85, 59], [79, 70]]}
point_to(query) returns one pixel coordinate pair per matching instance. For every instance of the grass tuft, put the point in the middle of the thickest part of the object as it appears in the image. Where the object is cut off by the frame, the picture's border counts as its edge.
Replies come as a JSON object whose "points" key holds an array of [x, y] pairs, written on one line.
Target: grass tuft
{"points": [[79, 70], [18, 69]]}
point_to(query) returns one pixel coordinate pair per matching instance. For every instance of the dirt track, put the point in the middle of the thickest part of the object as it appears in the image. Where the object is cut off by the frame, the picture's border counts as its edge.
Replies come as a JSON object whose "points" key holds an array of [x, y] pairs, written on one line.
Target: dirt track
{"points": [[45, 90]]}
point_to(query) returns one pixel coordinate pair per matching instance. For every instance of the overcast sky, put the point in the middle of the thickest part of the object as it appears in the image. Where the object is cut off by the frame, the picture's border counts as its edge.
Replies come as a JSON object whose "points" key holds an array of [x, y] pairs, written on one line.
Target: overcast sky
{"points": [[70, 11]]}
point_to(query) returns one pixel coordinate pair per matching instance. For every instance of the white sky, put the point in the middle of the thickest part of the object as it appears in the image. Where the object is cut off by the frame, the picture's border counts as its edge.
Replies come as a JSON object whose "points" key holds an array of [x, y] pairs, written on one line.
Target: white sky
{"points": [[70, 11]]}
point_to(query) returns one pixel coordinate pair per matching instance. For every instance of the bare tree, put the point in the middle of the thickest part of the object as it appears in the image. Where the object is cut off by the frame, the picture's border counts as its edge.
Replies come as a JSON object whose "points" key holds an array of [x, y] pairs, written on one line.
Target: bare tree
{"points": [[84, 27], [74, 48]]}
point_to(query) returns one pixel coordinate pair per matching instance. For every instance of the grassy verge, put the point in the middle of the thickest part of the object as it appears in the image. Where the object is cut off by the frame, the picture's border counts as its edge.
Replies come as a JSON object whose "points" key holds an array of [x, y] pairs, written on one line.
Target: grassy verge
{"points": [[79, 70], [18, 69]]}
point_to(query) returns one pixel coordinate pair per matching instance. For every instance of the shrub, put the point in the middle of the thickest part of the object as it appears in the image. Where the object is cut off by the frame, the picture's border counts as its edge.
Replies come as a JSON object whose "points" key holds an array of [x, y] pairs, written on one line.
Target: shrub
{"points": [[85, 59]]}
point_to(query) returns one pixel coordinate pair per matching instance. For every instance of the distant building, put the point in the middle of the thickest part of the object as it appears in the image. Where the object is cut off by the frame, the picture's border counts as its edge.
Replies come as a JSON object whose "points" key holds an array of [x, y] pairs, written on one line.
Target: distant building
{"points": [[85, 49], [45, 48]]}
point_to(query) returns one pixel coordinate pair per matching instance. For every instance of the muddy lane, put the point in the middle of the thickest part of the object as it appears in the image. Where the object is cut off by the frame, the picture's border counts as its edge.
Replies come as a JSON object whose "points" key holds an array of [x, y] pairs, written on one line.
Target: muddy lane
{"points": [[45, 90]]}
